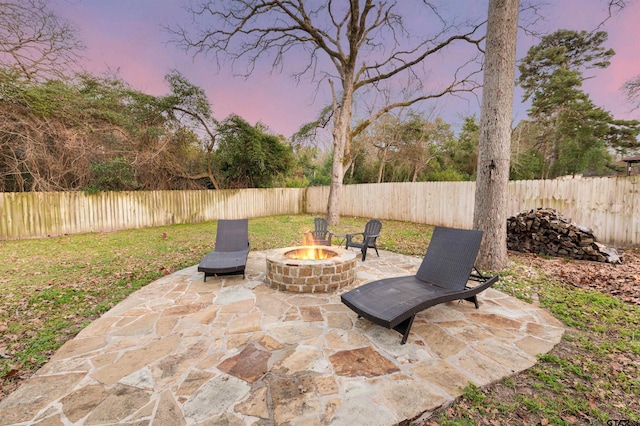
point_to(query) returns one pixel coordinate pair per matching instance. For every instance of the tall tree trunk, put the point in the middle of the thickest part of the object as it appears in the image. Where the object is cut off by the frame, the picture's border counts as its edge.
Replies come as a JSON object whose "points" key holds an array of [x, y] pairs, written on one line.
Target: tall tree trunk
{"points": [[490, 213], [337, 174], [341, 147]]}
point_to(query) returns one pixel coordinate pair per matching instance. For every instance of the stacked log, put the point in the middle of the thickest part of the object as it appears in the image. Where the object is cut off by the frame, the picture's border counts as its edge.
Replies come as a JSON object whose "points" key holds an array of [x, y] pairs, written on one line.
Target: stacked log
{"points": [[544, 231]]}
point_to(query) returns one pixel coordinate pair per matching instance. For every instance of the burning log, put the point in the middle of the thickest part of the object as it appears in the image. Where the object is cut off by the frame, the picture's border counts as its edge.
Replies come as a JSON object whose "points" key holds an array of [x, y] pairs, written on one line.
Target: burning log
{"points": [[545, 231]]}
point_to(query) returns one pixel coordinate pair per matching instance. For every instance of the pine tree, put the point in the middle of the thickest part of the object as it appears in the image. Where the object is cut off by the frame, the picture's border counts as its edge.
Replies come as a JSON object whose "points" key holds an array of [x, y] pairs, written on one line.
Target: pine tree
{"points": [[575, 135]]}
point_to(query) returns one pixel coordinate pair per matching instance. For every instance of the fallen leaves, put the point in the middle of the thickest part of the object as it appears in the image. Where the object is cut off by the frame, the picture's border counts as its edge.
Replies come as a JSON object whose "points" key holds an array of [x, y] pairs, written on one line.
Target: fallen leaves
{"points": [[621, 281], [13, 371]]}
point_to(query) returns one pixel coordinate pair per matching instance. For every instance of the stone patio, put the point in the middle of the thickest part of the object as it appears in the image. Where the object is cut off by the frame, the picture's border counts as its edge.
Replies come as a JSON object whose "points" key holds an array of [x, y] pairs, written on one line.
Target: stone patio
{"points": [[233, 351]]}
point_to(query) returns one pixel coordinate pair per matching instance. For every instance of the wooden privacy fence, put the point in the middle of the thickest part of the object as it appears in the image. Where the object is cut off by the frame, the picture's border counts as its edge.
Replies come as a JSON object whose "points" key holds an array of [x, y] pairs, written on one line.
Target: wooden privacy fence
{"points": [[39, 214], [610, 206], [434, 203]]}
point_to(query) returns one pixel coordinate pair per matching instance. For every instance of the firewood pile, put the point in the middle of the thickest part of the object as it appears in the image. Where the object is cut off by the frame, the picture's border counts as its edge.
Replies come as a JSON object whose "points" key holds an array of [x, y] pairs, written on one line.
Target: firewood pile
{"points": [[545, 231]]}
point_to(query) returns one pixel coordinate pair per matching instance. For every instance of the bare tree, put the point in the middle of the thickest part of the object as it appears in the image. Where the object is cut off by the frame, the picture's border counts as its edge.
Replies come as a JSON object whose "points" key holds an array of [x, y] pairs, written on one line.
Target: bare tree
{"points": [[490, 212], [35, 42], [354, 46], [384, 136], [631, 90]]}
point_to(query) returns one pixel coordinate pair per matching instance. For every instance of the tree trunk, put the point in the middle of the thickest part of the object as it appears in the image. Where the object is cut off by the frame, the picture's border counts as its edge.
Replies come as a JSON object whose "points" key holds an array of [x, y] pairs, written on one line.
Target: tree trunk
{"points": [[341, 146], [335, 190], [214, 181], [490, 213], [383, 161]]}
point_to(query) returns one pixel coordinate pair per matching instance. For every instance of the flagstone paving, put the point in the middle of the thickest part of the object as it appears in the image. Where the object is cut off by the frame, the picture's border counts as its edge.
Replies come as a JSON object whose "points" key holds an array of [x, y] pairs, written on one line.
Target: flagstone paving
{"points": [[233, 351]]}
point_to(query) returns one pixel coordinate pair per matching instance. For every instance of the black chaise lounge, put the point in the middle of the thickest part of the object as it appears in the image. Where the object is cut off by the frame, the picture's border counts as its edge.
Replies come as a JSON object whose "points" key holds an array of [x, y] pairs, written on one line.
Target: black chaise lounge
{"points": [[232, 248], [443, 276]]}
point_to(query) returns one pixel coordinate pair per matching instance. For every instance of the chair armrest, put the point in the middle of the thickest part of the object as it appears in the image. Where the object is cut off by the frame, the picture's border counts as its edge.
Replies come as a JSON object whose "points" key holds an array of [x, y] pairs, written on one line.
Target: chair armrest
{"points": [[350, 236]]}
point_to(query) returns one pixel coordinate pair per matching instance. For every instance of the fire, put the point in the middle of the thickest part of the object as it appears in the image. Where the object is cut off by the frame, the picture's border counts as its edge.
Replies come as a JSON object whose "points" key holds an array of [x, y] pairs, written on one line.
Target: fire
{"points": [[307, 239], [311, 251]]}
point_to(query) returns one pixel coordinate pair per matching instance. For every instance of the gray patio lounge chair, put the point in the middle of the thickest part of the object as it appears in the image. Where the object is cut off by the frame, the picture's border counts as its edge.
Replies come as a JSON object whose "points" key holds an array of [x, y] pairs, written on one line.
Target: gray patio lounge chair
{"points": [[366, 239], [321, 234], [231, 250], [443, 276]]}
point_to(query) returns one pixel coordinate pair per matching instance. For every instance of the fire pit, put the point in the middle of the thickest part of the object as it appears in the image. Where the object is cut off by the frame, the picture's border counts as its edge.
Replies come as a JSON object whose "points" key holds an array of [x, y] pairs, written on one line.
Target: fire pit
{"points": [[310, 269]]}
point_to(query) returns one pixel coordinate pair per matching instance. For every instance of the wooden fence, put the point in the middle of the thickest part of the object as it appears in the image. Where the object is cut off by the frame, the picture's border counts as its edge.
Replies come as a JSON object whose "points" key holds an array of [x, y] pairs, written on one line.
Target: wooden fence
{"points": [[435, 203], [610, 206], [39, 214]]}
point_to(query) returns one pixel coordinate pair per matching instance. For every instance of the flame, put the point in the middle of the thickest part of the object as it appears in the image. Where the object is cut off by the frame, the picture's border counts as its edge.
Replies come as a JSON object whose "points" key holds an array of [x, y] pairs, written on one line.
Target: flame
{"points": [[307, 239], [311, 251]]}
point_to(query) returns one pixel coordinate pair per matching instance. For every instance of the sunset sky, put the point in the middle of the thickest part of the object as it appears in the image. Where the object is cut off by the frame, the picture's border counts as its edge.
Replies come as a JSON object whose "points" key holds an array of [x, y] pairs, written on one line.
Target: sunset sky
{"points": [[127, 36]]}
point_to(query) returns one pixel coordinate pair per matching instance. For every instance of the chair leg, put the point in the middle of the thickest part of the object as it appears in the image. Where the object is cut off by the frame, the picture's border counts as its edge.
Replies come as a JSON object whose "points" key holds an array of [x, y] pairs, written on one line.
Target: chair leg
{"points": [[473, 299], [376, 250], [404, 328], [364, 252]]}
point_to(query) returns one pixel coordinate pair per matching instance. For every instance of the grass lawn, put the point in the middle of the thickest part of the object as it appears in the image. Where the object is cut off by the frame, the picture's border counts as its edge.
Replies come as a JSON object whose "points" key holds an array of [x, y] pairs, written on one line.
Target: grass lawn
{"points": [[51, 288]]}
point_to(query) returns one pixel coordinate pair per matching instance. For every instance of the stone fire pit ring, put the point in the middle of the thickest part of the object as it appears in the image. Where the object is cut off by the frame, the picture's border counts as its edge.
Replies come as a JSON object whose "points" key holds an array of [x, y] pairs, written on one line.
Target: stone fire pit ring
{"points": [[310, 276]]}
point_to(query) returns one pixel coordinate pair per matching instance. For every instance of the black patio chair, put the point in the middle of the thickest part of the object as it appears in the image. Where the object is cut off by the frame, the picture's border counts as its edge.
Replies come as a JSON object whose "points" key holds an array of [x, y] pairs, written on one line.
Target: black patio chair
{"points": [[366, 239], [443, 276], [229, 256], [321, 234]]}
